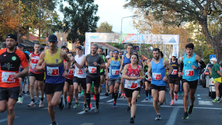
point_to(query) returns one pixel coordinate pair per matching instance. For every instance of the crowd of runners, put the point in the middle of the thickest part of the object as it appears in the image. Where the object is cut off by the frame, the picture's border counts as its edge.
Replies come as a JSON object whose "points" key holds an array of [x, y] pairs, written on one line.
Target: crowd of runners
{"points": [[62, 77]]}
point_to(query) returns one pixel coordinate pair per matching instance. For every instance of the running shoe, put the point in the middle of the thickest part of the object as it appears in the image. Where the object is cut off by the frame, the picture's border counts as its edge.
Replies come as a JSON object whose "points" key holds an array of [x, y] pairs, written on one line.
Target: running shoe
{"points": [[54, 124], [41, 104], [31, 104], [20, 100], [158, 117], [96, 110], [147, 98], [84, 107], [114, 105], [138, 96], [69, 106], [27, 93], [128, 109], [182, 93], [81, 93], [119, 95], [76, 105], [131, 120], [37, 102], [172, 103], [178, 93], [215, 100], [175, 97], [190, 110], [106, 94], [90, 105], [62, 103], [185, 116], [87, 109], [122, 95]]}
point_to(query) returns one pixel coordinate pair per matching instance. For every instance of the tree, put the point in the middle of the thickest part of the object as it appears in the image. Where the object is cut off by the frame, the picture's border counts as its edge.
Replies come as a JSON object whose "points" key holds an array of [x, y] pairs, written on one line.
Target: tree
{"points": [[188, 11], [79, 18], [104, 27]]}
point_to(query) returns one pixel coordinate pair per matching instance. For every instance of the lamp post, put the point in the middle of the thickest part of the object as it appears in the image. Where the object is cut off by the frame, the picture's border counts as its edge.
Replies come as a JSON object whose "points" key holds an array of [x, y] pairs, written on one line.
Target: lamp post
{"points": [[126, 17]]}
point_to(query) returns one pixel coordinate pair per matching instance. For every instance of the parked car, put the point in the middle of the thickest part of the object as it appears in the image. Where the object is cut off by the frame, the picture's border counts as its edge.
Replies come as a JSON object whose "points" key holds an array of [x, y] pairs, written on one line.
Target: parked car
{"points": [[211, 88], [205, 75]]}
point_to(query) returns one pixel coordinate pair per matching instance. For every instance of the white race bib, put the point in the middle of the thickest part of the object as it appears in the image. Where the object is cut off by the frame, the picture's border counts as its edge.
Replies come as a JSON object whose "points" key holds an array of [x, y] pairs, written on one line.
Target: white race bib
{"points": [[92, 69], [115, 72], [189, 72], [174, 72], [8, 77], [156, 76], [34, 66], [79, 71], [53, 71], [132, 84]]}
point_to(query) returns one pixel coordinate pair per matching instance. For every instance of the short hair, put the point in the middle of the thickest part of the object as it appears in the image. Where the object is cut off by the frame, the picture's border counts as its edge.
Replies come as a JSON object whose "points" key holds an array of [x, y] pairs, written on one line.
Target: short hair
{"points": [[156, 49], [130, 44], [189, 45], [70, 53], [37, 44], [63, 47], [95, 45], [100, 48], [67, 49]]}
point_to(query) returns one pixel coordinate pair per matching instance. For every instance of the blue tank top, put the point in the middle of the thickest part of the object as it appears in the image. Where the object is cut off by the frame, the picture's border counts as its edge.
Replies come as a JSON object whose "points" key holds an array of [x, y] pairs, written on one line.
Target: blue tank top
{"points": [[175, 65], [189, 73], [114, 69], [126, 60], [158, 72]]}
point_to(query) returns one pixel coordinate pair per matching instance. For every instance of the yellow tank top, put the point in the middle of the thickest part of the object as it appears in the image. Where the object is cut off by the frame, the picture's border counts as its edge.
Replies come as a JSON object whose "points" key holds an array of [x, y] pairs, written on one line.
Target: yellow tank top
{"points": [[52, 59]]}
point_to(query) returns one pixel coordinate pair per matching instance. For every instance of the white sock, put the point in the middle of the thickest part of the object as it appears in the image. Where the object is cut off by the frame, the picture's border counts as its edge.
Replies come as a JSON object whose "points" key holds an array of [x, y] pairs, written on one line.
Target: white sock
{"points": [[218, 98]]}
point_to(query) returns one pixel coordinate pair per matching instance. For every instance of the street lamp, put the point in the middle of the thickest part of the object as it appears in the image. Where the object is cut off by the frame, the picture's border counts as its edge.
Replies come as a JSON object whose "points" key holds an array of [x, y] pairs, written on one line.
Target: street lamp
{"points": [[126, 17]]}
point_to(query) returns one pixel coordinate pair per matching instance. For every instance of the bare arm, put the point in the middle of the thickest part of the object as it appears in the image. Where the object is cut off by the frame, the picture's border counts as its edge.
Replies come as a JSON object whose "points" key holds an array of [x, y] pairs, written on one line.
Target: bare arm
{"points": [[66, 58], [124, 76], [122, 62], [39, 66], [82, 63], [149, 70], [121, 65], [107, 66], [166, 64], [142, 72]]}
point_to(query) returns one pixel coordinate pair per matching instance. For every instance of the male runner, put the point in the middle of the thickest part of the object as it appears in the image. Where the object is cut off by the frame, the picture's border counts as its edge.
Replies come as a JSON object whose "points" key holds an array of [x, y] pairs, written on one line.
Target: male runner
{"points": [[174, 79], [10, 61], [158, 79], [189, 67], [52, 61], [36, 78], [114, 65], [79, 76], [94, 63], [102, 72]]}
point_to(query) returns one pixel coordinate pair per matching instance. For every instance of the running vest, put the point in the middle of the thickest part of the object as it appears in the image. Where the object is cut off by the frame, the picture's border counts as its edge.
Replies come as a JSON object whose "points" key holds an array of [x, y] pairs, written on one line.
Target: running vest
{"points": [[54, 68], [175, 66], [103, 57], [33, 63], [189, 73], [158, 72], [114, 69], [132, 84], [126, 60], [80, 73]]}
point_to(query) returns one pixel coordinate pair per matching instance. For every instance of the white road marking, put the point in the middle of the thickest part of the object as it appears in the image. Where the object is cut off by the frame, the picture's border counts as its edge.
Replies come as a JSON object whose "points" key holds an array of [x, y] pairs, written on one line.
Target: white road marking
{"points": [[5, 119], [179, 101], [173, 116], [205, 102], [82, 112], [111, 100], [147, 100]]}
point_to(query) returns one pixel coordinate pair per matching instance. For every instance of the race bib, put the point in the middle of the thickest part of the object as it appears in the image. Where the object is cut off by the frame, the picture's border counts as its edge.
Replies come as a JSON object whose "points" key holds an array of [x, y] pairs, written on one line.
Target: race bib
{"points": [[132, 84], [156, 76], [79, 71], [52, 71], [92, 69], [189, 72], [8, 77], [34, 66], [115, 72], [174, 72]]}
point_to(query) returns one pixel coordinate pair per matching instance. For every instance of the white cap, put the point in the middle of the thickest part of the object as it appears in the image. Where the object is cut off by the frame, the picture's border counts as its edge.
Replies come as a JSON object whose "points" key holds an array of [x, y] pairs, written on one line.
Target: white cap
{"points": [[173, 54], [213, 59], [108, 56]]}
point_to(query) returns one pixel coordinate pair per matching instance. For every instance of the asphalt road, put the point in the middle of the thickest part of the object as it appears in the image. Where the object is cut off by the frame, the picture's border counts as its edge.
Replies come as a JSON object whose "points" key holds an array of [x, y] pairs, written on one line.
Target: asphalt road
{"points": [[205, 113]]}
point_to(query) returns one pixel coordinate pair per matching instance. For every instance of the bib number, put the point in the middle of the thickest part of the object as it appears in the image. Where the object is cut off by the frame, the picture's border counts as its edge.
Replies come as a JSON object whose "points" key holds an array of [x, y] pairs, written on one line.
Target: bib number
{"points": [[53, 71], [189, 72], [34, 66], [92, 69], [115, 72], [157, 76], [79, 71], [131, 84], [8, 77], [174, 72]]}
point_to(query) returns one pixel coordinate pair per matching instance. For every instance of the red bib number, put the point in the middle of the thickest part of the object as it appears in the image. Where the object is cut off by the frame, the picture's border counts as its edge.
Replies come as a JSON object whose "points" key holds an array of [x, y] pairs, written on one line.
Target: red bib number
{"points": [[189, 72], [79, 71], [8, 77], [115, 72], [92, 69], [52, 71], [157, 76], [34, 66], [174, 72]]}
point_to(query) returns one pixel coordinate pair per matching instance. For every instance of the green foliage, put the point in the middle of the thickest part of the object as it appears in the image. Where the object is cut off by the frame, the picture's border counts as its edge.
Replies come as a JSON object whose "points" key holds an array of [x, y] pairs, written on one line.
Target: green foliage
{"points": [[117, 45], [104, 27], [79, 18]]}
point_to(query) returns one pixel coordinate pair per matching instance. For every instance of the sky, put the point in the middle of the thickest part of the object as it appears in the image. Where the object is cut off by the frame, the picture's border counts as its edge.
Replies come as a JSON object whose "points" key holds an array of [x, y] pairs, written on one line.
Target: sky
{"points": [[112, 11]]}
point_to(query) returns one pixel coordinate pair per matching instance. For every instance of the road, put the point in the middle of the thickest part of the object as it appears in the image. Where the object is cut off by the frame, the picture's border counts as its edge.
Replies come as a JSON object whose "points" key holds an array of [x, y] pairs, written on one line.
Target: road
{"points": [[205, 113]]}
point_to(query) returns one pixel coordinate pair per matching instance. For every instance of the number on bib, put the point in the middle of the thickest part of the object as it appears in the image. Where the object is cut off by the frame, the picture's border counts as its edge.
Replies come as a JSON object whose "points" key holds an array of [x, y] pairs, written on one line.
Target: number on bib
{"points": [[53, 71], [92, 69], [174, 72], [115, 72], [157, 76], [189, 72], [8, 77]]}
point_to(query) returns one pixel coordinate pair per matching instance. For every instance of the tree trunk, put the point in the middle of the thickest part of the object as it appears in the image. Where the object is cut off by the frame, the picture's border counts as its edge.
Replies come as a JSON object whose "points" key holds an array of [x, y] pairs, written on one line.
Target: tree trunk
{"points": [[217, 50]]}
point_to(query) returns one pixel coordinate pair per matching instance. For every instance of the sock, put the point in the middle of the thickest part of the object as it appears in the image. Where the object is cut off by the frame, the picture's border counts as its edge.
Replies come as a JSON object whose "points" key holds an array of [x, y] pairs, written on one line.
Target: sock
{"points": [[88, 99], [217, 98], [146, 93], [70, 104], [115, 96], [54, 123], [33, 100], [149, 92], [97, 101], [42, 99]]}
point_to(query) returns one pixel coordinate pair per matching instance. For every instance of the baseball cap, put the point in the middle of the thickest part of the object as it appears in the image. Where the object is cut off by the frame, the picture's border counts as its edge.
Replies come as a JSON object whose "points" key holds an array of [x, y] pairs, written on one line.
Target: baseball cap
{"points": [[108, 56], [173, 54], [13, 36], [52, 38], [20, 45], [213, 59], [80, 47]]}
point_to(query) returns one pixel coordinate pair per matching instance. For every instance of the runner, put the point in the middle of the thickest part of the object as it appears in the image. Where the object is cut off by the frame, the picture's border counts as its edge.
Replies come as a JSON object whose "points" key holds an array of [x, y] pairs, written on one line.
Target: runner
{"points": [[132, 83], [158, 79], [216, 74], [106, 81], [52, 61], [174, 79], [147, 82], [68, 87], [189, 67], [94, 63], [114, 77], [11, 59], [79, 76], [102, 71], [36, 78]]}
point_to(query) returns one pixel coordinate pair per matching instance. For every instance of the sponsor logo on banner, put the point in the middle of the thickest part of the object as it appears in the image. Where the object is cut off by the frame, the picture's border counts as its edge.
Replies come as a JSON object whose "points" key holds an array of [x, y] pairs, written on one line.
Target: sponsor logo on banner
{"points": [[131, 38], [172, 40], [94, 37]]}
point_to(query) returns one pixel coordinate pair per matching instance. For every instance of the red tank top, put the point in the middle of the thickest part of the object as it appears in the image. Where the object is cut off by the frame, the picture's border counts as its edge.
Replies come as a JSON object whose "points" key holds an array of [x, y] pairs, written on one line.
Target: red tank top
{"points": [[70, 74], [133, 72], [33, 63]]}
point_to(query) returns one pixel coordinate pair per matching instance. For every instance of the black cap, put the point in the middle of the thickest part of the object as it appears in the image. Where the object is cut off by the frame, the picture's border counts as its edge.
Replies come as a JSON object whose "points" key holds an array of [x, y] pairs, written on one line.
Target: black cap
{"points": [[80, 47], [52, 38], [20, 45], [13, 36]]}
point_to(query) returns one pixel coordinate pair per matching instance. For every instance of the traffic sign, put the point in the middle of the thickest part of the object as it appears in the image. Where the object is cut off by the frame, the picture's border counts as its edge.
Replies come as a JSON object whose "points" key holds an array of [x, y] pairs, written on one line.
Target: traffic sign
{"points": [[212, 56]]}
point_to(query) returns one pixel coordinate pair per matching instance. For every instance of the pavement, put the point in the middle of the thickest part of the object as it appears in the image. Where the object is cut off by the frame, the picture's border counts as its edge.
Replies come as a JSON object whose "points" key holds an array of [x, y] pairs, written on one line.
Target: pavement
{"points": [[205, 112]]}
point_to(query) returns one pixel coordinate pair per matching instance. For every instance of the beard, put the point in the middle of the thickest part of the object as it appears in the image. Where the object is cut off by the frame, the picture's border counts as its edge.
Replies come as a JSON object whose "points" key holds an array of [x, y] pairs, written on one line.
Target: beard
{"points": [[11, 48], [156, 58]]}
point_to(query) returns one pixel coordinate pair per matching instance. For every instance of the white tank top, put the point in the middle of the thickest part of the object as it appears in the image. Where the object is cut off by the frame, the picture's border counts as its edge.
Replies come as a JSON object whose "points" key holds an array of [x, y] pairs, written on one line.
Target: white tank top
{"points": [[80, 73]]}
